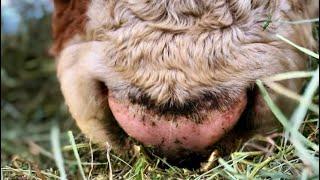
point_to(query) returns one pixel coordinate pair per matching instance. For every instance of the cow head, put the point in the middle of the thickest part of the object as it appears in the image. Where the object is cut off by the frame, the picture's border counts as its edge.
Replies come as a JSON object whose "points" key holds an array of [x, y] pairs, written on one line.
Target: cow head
{"points": [[175, 75]]}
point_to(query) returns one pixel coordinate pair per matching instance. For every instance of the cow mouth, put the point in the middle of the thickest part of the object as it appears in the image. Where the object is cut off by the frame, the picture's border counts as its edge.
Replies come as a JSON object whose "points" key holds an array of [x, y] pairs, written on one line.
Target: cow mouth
{"points": [[176, 136]]}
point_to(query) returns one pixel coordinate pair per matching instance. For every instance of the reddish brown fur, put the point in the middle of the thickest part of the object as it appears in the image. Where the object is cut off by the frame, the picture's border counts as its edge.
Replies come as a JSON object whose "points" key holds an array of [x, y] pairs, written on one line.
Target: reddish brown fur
{"points": [[69, 18]]}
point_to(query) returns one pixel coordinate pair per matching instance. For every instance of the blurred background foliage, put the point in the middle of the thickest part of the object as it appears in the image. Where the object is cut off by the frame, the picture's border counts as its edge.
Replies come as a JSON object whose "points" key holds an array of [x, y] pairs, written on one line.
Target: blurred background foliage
{"points": [[31, 101]]}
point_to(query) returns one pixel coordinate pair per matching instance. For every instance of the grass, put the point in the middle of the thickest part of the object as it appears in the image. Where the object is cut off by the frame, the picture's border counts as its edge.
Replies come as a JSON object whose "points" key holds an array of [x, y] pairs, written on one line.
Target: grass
{"points": [[55, 132], [76, 154], [38, 142]]}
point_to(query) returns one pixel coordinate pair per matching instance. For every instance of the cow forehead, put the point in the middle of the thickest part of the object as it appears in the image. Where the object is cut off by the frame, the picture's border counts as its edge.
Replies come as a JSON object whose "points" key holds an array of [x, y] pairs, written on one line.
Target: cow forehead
{"points": [[78, 18], [196, 26]]}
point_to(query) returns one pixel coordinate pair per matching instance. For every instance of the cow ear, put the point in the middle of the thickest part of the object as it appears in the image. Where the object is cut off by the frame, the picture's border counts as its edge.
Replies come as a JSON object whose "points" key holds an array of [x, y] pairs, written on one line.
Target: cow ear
{"points": [[61, 4], [60, 7]]}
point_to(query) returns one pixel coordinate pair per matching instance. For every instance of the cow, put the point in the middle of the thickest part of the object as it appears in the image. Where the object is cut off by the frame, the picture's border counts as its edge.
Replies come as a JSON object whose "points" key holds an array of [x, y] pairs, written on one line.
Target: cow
{"points": [[176, 75]]}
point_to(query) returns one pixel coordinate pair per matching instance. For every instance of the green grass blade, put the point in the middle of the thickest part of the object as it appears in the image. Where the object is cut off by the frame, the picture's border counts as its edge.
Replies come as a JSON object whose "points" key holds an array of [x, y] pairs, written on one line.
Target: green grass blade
{"points": [[297, 139], [276, 111], [57, 151], [303, 153], [76, 154], [2, 174], [281, 117], [290, 94], [301, 21], [299, 114], [290, 75], [227, 166], [305, 50]]}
